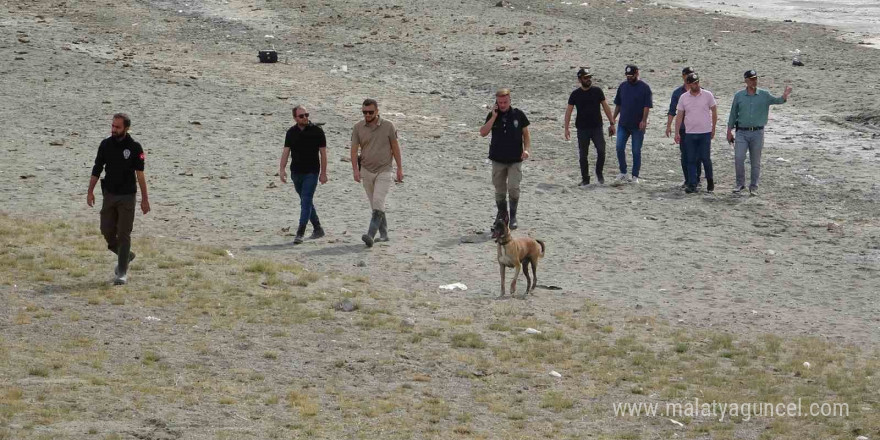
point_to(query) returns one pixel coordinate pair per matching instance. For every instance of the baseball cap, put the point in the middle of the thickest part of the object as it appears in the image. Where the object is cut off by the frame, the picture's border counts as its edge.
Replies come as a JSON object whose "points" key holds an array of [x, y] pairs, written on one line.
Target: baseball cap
{"points": [[687, 70], [631, 69], [584, 72], [750, 74], [692, 78]]}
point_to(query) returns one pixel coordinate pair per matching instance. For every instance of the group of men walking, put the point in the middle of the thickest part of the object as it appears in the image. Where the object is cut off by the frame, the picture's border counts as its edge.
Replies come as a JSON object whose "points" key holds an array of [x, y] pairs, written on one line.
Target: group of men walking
{"points": [[695, 115], [375, 149]]}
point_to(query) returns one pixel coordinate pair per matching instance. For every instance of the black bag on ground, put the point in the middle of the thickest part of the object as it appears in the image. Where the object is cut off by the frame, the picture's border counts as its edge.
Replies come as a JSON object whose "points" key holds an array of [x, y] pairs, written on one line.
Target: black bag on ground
{"points": [[268, 56]]}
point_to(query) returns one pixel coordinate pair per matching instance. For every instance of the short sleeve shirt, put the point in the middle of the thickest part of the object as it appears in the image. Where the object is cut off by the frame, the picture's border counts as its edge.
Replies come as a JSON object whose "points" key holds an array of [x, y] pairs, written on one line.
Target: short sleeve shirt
{"points": [[305, 145], [697, 111], [633, 99], [375, 144], [506, 145], [588, 103]]}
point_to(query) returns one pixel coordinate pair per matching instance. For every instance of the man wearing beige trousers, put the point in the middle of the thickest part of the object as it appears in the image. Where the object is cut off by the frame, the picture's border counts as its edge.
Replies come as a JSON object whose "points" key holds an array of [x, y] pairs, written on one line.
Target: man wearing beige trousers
{"points": [[373, 146]]}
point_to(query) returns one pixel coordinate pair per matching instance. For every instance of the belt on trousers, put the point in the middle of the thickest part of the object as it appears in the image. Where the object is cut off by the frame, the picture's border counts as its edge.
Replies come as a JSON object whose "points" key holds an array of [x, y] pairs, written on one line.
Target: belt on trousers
{"points": [[750, 128]]}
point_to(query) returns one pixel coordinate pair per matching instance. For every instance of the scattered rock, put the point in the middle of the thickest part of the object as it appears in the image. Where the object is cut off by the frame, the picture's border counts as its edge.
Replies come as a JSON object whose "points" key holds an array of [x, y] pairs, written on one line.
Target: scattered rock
{"points": [[346, 306], [362, 263], [272, 185], [23, 40], [27, 176], [555, 374], [195, 123], [408, 322], [532, 331], [56, 143]]}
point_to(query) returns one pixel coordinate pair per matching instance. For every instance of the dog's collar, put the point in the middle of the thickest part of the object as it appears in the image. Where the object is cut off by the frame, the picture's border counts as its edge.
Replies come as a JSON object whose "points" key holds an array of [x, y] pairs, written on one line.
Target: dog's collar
{"points": [[500, 239]]}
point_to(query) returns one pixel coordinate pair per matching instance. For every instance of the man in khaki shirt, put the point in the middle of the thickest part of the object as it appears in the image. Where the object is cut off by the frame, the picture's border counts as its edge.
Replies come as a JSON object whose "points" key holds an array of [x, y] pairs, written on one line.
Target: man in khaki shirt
{"points": [[376, 140]]}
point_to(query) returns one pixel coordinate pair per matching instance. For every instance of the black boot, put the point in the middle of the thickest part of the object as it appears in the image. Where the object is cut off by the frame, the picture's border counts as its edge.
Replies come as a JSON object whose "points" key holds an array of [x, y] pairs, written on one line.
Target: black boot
{"points": [[300, 232], [122, 265], [383, 227], [513, 205], [371, 231], [710, 185], [317, 232], [116, 252], [502, 210]]}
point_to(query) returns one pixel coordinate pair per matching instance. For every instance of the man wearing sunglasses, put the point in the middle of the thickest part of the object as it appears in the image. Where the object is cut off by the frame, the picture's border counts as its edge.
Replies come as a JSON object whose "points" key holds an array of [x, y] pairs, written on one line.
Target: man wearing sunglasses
{"points": [[304, 143], [373, 146]]}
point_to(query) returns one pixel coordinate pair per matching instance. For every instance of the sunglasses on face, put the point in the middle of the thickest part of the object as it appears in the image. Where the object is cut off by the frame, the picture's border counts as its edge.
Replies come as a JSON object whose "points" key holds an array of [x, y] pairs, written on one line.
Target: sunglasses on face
{"points": [[368, 112], [303, 115]]}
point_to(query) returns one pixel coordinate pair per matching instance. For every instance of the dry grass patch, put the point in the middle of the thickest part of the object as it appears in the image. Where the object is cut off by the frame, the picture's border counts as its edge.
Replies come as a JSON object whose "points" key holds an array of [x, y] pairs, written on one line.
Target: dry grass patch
{"points": [[236, 333]]}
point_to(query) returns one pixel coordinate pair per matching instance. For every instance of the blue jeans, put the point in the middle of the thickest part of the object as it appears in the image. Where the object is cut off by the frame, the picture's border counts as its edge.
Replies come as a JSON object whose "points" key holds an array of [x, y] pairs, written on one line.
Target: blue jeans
{"points": [[698, 147], [305, 185], [684, 161], [638, 137]]}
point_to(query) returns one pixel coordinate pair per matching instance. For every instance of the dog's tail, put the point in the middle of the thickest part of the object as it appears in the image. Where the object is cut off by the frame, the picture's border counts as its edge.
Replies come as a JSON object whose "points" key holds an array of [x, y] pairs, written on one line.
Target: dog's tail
{"points": [[542, 247]]}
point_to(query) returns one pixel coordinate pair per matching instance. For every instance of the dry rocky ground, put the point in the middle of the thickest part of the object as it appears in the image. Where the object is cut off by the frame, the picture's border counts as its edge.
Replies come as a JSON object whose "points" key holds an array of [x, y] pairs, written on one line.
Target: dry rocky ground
{"points": [[801, 260]]}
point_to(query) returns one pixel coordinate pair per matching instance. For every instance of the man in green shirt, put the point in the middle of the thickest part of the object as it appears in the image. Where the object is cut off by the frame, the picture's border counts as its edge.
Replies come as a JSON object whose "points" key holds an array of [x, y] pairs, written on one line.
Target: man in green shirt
{"points": [[748, 116]]}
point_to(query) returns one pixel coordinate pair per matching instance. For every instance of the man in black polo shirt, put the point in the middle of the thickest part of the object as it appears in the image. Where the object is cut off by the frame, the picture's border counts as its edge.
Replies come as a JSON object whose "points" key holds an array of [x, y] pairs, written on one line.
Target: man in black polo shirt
{"points": [[123, 161], [303, 144], [589, 101], [510, 146]]}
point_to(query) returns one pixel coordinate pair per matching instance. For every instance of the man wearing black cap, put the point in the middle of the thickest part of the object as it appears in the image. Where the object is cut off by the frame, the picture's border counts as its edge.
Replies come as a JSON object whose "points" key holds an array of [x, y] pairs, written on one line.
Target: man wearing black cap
{"points": [[589, 100], [670, 117], [633, 102], [748, 116], [123, 161], [699, 111]]}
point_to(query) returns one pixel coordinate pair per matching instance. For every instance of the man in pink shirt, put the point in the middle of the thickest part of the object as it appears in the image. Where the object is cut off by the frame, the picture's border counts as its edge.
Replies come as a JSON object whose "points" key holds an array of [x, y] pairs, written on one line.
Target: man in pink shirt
{"points": [[699, 112]]}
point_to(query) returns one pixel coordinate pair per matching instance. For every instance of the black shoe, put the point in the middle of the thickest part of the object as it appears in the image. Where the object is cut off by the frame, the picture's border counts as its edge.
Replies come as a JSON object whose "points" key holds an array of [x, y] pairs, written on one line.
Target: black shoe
{"points": [[600, 179], [318, 232], [367, 240], [584, 183], [690, 189], [298, 239], [739, 189], [710, 185]]}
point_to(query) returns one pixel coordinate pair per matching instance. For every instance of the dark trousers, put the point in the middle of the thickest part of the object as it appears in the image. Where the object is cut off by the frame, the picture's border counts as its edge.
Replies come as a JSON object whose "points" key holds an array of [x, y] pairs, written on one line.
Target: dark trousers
{"points": [[117, 220], [585, 135], [684, 162], [698, 147], [305, 185]]}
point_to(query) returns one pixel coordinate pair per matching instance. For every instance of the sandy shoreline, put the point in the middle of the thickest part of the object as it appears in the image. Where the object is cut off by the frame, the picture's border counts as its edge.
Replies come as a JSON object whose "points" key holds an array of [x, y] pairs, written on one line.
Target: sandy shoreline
{"points": [[857, 21], [801, 259]]}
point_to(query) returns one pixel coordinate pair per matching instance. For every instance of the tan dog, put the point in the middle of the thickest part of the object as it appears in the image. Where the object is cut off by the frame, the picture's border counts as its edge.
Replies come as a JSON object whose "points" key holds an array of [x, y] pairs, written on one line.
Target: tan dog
{"points": [[517, 253]]}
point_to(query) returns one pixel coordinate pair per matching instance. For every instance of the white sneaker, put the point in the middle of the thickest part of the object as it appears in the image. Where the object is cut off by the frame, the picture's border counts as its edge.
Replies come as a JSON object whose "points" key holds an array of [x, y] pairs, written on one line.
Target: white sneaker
{"points": [[621, 177], [635, 179]]}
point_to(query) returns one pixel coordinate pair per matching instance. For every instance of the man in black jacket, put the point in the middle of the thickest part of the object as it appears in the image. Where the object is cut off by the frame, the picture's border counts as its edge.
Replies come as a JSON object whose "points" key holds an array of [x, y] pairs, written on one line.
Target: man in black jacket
{"points": [[122, 159], [509, 146]]}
